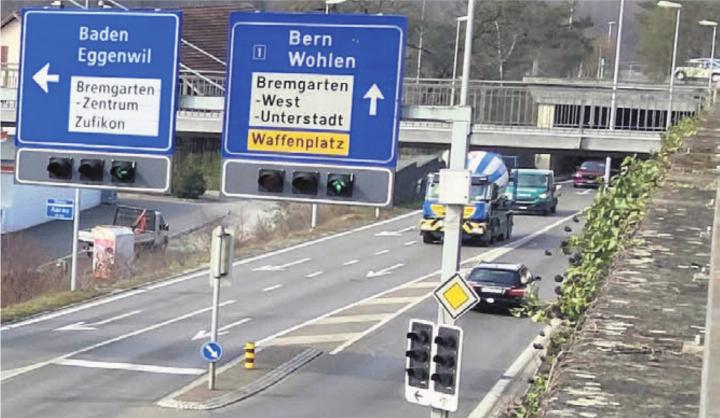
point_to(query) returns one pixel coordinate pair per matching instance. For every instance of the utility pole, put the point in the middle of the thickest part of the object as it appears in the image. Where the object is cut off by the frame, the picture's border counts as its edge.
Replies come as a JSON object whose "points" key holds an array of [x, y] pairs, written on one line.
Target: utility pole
{"points": [[420, 42], [616, 70], [458, 161]]}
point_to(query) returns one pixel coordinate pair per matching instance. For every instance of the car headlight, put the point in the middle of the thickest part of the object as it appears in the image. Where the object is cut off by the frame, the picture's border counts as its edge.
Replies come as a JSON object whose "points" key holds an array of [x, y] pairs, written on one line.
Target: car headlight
{"points": [[543, 196]]}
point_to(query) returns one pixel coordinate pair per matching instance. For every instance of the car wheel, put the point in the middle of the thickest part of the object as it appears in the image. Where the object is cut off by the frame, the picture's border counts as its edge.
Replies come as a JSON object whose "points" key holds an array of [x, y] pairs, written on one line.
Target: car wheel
{"points": [[428, 238], [680, 75]]}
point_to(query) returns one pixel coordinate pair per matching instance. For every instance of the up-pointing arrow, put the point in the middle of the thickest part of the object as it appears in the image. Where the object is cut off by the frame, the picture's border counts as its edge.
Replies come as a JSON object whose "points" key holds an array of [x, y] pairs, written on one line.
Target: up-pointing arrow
{"points": [[42, 77], [373, 94]]}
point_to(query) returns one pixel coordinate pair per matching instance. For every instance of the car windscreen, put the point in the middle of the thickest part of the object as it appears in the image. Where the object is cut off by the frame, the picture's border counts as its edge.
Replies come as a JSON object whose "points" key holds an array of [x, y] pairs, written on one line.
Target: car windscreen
{"points": [[533, 180], [495, 276], [593, 166], [135, 218], [478, 192]]}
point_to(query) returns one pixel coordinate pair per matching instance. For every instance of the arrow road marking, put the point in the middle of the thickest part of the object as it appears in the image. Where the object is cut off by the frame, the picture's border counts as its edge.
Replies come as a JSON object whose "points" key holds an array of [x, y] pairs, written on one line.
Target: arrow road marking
{"points": [[409, 243], [584, 192], [394, 233], [82, 326], [282, 266], [42, 77], [384, 271], [221, 331], [373, 94]]}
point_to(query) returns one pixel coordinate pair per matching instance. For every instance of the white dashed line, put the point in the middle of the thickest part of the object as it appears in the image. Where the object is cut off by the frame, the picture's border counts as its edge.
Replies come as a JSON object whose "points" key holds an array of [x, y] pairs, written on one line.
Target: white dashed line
{"points": [[311, 275], [351, 262], [271, 288], [409, 243], [381, 252]]}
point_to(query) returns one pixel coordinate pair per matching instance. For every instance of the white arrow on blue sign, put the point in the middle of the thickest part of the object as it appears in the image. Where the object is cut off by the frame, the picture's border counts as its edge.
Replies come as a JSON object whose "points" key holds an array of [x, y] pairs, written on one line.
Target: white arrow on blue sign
{"points": [[59, 209], [211, 351]]}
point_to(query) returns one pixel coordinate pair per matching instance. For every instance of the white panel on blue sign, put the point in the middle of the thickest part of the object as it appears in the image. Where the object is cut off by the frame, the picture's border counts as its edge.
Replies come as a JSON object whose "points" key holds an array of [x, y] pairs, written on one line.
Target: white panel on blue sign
{"points": [[314, 88], [98, 80]]}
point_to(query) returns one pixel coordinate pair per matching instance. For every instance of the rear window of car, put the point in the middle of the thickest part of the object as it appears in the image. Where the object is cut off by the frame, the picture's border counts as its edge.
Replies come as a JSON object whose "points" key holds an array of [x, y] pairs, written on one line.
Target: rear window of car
{"points": [[497, 276], [593, 166]]}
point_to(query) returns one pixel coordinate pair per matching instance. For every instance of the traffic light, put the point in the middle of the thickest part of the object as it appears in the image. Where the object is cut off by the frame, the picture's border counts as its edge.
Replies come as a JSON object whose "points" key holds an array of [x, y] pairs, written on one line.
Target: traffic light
{"points": [[447, 346], [271, 180], [305, 182], [417, 361], [340, 184], [91, 169], [122, 171], [60, 168]]}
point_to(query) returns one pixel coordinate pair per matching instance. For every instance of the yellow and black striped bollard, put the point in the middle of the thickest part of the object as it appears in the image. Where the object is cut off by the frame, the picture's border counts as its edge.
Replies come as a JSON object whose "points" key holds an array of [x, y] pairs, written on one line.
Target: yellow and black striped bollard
{"points": [[249, 355]]}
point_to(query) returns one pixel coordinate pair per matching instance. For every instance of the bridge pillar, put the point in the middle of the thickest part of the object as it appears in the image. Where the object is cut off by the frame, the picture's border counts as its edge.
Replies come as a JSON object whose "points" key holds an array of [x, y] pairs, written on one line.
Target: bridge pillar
{"points": [[546, 115]]}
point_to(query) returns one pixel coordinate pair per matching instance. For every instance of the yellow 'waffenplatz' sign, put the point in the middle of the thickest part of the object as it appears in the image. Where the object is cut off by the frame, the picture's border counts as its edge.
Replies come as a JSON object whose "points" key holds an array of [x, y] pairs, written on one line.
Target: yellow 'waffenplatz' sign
{"points": [[324, 143]]}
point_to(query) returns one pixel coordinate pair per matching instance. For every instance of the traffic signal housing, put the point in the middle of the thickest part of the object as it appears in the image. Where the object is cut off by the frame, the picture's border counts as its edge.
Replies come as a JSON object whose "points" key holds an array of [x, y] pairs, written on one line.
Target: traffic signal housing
{"points": [[60, 168], [340, 185], [305, 182], [417, 361], [445, 373], [123, 171], [271, 181], [91, 169]]}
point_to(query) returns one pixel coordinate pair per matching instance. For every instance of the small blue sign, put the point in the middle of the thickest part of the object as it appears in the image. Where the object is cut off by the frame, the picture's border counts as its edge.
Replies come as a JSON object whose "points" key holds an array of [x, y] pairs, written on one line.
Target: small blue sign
{"points": [[211, 351], [98, 80], [59, 209], [314, 88]]}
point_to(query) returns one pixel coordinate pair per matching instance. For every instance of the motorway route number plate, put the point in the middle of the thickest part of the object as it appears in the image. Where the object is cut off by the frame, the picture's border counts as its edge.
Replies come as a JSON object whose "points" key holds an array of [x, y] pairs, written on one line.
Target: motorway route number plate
{"points": [[498, 290], [523, 207]]}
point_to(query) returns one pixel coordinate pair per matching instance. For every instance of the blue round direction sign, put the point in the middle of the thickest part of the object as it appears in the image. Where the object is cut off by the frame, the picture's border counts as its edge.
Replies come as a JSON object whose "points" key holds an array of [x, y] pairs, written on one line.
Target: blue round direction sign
{"points": [[211, 351]]}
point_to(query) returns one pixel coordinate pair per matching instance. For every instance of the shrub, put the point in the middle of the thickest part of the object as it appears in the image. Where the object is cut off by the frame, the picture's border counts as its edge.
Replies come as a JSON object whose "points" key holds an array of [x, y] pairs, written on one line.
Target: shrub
{"points": [[189, 181]]}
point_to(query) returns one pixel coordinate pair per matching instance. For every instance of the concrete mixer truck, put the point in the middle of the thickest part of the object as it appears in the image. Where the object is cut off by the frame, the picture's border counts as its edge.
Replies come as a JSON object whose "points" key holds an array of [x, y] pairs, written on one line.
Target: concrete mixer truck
{"points": [[488, 218]]}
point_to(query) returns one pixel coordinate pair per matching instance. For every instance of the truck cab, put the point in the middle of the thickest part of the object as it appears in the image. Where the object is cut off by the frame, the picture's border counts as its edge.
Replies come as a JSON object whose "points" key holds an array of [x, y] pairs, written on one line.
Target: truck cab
{"points": [[149, 227], [486, 220], [533, 190]]}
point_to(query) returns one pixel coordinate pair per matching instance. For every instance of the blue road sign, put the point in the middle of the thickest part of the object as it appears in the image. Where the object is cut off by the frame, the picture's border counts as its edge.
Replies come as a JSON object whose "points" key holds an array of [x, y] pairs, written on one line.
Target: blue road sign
{"points": [[314, 88], [98, 80], [59, 209], [211, 351]]}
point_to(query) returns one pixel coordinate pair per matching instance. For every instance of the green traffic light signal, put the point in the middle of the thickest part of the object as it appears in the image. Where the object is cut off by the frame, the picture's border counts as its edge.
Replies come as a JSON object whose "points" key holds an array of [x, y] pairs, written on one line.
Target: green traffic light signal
{"points": [[340, 184], [123, 171]]}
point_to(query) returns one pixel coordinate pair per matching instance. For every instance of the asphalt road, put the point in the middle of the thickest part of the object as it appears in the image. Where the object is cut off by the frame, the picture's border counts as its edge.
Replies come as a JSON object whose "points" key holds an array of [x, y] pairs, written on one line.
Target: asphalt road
{"points": [[116, 356]]}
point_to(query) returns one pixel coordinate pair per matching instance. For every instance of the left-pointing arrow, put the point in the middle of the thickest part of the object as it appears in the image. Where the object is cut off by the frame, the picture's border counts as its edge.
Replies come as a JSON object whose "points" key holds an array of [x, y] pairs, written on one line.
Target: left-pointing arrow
{"points": [[43, 77]]}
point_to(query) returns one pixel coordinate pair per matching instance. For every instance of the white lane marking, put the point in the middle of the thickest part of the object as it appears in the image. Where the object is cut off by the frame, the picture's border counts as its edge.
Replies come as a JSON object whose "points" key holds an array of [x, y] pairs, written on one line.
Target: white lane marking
{"points": [[312, 339], [282, 266], [345, 319], [584, 192], [421, 285], [383, 272], [409, 228], [199, 274], [392, 300], [487, 256], [394, 233], [271, 288], [22, 370], [314, 274], [351, 262], [149, 368], [221, 331], [73, 309], [409, 243], [381, 252], [488, 402], [82, 326]]}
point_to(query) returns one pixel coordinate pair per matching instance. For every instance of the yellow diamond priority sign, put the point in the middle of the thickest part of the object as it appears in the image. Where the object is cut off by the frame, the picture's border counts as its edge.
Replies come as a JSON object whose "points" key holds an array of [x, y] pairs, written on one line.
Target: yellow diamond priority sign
{"points": [[456, 296]]}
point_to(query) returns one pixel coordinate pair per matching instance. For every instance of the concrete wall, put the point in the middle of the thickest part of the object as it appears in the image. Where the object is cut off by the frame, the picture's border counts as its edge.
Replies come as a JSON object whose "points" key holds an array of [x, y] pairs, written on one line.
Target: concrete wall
{"points": [[10, 35], [23, 206]]}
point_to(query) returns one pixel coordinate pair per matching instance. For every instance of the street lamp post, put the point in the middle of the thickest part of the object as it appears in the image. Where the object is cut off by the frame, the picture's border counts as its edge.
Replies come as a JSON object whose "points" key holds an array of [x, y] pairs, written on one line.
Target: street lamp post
{"points": [[677, 6], [455, 57], [714, 25], [420, 42], [601, 61], [616, 66]]}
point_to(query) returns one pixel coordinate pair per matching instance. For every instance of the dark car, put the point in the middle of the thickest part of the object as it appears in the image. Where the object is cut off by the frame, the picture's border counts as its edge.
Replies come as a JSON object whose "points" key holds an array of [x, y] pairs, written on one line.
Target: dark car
{"points": [[590, 173], [502, 285]]}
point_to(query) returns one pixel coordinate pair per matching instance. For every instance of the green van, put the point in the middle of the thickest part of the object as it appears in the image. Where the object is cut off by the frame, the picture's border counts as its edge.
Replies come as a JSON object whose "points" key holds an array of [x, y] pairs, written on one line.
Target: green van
{"points": [[536, 190]]}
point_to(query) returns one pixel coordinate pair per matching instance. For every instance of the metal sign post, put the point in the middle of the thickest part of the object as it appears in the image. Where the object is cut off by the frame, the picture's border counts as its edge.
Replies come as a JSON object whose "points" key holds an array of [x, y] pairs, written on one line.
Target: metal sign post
{"points": [[458, 161], [76, 228], [221, 255]]}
